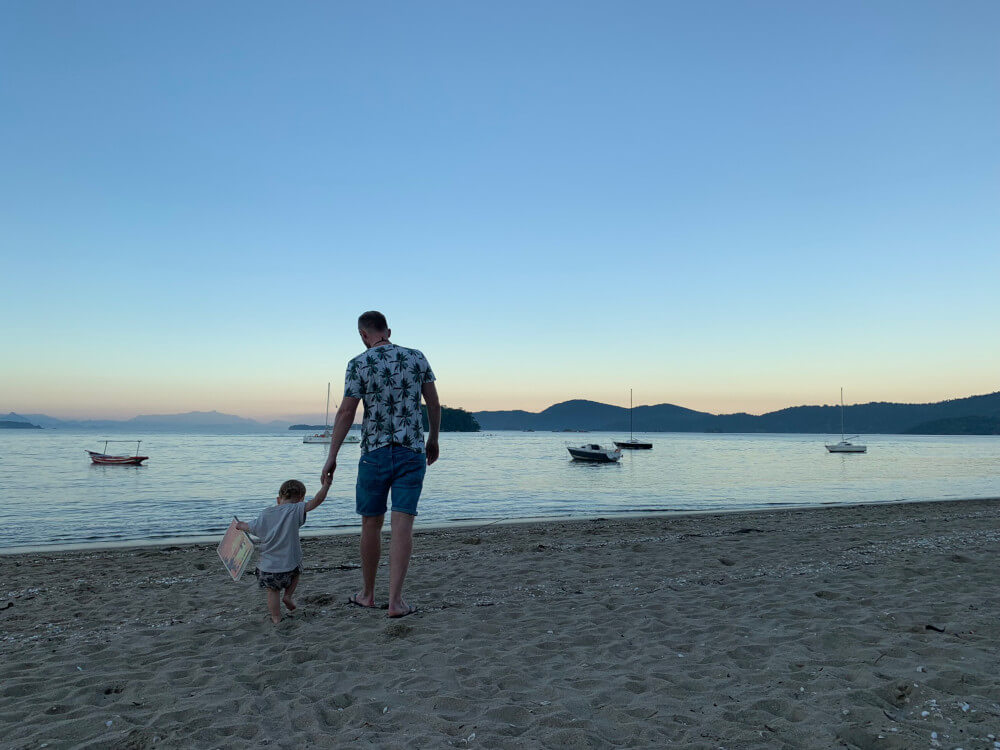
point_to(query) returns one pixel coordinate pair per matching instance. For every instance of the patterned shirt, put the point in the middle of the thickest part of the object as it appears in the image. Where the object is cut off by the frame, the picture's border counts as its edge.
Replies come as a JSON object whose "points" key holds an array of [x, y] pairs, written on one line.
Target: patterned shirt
{"points": [[388, 379]]}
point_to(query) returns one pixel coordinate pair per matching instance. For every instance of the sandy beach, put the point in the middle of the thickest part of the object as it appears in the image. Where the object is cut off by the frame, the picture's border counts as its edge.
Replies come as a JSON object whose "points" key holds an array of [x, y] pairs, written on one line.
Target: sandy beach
{"points": [[859, 627]]}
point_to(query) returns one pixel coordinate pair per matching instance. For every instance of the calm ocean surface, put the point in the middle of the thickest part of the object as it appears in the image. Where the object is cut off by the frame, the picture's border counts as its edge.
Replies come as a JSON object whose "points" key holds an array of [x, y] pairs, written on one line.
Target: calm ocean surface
{"points": [[192, 485]]}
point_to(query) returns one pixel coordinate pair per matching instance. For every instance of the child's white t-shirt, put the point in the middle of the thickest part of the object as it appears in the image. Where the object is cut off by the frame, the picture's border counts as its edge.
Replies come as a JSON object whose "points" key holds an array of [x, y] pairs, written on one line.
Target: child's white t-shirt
{"points": [[278, 530]]}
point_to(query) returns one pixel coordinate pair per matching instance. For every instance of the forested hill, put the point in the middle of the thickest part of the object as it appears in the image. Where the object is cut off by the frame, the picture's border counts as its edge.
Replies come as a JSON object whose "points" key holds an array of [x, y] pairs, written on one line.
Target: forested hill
{"points": [[454, 420], [975, 415]]}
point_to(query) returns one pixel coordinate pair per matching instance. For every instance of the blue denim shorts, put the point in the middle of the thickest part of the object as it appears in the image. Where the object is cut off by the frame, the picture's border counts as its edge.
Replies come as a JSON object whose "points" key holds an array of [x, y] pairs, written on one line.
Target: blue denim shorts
{"points": [[390, 467]]}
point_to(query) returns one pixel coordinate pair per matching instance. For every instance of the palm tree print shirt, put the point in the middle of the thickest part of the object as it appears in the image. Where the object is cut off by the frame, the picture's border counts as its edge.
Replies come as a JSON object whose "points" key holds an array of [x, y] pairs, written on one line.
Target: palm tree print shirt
{"points": [[388, 379]]}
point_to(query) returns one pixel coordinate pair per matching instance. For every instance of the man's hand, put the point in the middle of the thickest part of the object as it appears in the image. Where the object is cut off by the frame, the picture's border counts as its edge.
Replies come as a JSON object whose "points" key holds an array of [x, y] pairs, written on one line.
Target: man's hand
{"points": [[326, 478], [432, 451]]}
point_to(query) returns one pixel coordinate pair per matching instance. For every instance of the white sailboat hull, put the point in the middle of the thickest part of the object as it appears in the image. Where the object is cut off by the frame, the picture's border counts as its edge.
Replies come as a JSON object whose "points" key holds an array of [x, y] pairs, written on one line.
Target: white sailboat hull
{"points": [[325, 439]]}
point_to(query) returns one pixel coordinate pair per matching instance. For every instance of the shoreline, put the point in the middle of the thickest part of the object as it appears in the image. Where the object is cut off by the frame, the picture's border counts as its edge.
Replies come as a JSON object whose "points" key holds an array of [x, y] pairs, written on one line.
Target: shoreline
{"points": [[864, 626], [458, 524]]}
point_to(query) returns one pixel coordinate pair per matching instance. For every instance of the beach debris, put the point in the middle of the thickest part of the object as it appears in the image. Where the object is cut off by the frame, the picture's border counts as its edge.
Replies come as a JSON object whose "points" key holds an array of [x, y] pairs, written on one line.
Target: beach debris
{"points": [[964, 706], [727, 561], [921, 669], [925, 714], [108, 723], [80, 668], [935, 628], [385, 710]]}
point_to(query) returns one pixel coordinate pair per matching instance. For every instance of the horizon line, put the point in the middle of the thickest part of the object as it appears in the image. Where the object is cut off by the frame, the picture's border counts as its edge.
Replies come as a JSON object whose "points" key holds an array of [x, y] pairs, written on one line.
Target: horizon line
{"points": [[264, 420]]}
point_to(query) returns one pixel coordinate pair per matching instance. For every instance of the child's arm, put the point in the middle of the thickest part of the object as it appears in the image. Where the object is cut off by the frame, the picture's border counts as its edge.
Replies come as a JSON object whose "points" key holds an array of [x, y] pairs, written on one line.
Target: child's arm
{"points": [[319, 498], [243, 525]]}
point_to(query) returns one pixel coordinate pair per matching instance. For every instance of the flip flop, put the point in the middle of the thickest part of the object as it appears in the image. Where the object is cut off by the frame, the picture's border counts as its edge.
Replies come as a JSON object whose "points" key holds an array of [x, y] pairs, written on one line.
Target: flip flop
{"points": [[354, 600], [408, 612]]}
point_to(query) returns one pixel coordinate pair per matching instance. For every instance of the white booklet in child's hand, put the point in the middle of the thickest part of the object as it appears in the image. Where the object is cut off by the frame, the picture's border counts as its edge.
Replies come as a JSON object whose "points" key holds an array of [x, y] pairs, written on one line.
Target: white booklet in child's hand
{"points": [[236, 551]]}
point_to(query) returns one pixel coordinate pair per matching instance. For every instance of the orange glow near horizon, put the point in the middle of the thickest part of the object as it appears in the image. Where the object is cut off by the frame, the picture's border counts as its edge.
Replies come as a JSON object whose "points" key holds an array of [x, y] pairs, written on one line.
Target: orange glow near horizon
{"points": [[123, 400]]}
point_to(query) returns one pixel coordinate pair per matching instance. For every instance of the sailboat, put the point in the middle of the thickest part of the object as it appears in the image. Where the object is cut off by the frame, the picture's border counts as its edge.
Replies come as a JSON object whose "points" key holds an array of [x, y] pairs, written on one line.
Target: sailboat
{"points": [[326, 435], [632, 442], [845, 446]]}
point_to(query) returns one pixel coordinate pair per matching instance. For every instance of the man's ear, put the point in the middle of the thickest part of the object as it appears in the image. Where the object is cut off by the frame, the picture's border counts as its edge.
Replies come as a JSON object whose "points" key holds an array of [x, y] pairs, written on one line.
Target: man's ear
{"points": [[388, 333]]}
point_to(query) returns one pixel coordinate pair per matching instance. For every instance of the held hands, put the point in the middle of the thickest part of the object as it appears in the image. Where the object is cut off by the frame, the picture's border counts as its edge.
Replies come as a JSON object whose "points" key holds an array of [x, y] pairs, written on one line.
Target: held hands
{"points": [[326, 478], [432, 451]]}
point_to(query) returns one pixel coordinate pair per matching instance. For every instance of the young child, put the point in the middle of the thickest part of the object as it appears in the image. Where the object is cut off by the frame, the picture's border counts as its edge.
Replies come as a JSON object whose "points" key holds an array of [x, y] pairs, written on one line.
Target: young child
{"points": [[277, 528]]}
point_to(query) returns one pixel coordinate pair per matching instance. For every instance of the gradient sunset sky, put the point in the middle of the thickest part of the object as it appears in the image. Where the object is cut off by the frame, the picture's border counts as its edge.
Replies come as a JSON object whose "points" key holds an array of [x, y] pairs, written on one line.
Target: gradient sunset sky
{"points": [[729, 206]]}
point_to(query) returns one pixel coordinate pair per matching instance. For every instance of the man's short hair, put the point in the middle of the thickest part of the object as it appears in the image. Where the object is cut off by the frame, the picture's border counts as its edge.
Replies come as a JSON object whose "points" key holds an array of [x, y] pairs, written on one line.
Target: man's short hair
{"points": [[373, 321], [293, 489]]}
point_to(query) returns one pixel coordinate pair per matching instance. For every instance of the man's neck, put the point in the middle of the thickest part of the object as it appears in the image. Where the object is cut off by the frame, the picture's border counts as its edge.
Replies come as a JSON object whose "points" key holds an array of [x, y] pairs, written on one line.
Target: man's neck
{"points": [[380, 342]]}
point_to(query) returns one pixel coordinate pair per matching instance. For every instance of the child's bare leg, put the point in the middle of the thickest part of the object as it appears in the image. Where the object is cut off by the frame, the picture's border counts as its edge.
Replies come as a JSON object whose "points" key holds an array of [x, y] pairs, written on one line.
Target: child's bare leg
{"points": [[287, 598], [274, 605]]}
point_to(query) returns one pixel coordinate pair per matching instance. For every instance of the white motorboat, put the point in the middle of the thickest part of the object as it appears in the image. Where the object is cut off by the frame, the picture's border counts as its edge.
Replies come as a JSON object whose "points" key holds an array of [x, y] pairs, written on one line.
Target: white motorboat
{"points": [[594, 452], [845, 445]]}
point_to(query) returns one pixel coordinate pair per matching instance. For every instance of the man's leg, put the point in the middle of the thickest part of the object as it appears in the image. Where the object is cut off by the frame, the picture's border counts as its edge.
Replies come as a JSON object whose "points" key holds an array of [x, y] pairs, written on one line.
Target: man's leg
{"points": [[371, 550], [400, 549]]}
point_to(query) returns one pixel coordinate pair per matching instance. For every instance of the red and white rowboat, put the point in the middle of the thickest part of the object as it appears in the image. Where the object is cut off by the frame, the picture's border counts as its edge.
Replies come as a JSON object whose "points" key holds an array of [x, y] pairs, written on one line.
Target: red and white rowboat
{"points": [[105, 460]]}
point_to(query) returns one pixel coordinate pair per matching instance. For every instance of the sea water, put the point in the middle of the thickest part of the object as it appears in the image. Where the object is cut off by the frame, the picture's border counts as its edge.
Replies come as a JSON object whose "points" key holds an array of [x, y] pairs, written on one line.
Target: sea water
{"points": [[193, 484]]}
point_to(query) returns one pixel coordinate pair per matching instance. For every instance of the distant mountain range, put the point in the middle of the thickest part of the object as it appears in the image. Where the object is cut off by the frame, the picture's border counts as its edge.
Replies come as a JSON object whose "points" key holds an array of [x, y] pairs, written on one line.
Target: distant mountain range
{"points": [[194, 421], [976, 415]]}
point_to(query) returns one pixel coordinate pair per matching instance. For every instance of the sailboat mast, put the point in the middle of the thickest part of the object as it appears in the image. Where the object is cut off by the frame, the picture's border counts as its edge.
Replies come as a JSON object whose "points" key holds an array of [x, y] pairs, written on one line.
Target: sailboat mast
{"points": [[327, 422], [630, 414], [841, 414]]}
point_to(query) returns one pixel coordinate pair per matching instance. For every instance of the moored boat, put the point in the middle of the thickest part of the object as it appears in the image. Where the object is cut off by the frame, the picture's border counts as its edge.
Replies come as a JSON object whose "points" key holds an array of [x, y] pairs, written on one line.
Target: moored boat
{"points": [[594, 452], [845, 445], [105, 459], [632, 443]]}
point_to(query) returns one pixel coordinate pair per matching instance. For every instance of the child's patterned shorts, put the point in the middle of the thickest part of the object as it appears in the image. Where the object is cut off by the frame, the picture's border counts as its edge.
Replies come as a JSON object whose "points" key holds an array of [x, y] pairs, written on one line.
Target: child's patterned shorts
{"points": [[276, 581]]}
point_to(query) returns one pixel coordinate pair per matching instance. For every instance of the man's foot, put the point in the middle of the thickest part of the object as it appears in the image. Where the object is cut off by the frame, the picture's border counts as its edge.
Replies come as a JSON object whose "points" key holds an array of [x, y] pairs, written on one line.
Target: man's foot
{"points": [[287, 601], [403, 611], [275, 619], [358, 600]]}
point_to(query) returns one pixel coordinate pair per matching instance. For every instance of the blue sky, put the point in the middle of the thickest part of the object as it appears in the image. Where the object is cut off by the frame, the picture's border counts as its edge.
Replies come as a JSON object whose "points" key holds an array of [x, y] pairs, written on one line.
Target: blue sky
{"points": [[728, 206]]}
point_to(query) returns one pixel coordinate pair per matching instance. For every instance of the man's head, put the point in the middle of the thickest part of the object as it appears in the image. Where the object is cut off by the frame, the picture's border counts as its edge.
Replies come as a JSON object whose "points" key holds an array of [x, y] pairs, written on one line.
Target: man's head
{"points": [[292, 491], [373, 328]]}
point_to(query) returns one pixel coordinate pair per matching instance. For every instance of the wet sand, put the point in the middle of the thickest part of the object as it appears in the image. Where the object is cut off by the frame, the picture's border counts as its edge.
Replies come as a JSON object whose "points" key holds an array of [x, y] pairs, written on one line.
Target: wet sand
{"points": [[859, 627]]}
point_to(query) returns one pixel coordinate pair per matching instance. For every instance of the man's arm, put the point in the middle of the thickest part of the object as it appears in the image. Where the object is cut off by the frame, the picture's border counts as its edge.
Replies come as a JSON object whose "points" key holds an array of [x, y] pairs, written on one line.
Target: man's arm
{"points": [[341, 424], [433, 420], [318, 498]]}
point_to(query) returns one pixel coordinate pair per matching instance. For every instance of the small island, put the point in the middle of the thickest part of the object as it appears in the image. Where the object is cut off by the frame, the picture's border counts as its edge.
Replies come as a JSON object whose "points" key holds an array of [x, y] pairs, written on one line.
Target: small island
{"points": [[453, 420]]}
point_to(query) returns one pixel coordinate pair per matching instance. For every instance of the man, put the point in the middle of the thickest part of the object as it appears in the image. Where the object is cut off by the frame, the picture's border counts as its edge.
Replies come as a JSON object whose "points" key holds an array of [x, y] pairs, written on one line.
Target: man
{"points": [[390, 379]]}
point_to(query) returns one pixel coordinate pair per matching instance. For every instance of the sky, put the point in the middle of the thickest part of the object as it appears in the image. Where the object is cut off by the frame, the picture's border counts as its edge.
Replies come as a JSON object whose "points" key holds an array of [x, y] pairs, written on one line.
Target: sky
{"points": [[728, 206]]}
